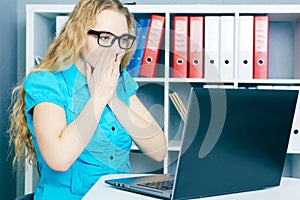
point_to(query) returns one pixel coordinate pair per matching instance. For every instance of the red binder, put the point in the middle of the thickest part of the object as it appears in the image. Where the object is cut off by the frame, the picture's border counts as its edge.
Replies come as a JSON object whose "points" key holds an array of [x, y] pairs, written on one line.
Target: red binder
{"points": [[152, 48], [196, 51], [180, 47], [261, 47]]}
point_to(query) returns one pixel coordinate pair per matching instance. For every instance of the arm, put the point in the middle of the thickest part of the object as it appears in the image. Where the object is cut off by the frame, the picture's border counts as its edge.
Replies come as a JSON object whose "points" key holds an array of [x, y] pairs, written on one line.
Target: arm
{"points": [[61, 144], [141, 126]]}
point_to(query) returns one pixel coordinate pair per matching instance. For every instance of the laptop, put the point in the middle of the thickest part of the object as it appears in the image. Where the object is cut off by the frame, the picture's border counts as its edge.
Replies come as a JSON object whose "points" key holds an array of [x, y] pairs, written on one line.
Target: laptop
{"points": [[234, 140]]}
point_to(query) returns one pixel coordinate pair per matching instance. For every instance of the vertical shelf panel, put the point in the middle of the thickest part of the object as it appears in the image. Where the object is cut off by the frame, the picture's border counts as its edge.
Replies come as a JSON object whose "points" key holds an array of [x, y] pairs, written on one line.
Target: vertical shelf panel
{"points": [[172, 161]]}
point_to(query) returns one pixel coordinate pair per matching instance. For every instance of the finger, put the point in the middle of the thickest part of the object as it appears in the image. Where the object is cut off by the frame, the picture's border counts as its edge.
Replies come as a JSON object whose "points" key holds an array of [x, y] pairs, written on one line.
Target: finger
{"points": [[101, 56], [88, 72], [109, 64], [99, 69], [119, 58], [93, 57], [109, 59], [115, 70], [121, 55], [117, 63]]}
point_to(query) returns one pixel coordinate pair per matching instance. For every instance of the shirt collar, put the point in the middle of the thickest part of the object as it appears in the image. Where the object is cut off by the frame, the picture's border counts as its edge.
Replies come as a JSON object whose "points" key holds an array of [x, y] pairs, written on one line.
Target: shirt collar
{"points": [[74, 78]]}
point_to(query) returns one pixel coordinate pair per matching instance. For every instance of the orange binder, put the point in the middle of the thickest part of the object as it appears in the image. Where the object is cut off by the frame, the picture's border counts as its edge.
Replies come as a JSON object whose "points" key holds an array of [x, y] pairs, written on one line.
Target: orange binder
{"points": [[196, 64], [180, 47], [152, 48], [261, 47]]}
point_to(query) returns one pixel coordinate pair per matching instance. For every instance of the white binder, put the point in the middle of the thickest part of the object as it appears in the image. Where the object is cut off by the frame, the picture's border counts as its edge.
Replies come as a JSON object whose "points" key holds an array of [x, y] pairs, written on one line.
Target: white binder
{"points": [[245, 54], [294, 144], [211, 47], [60, 22], [227, 47]]}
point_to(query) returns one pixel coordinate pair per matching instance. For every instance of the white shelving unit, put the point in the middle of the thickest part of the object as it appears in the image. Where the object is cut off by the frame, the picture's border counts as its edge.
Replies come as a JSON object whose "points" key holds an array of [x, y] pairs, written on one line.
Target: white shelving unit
{"points": [[40, 24]]}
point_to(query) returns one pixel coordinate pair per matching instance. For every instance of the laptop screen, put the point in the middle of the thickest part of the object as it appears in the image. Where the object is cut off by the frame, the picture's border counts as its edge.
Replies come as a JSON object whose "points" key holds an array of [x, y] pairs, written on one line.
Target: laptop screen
{"points": [[234, 140]]}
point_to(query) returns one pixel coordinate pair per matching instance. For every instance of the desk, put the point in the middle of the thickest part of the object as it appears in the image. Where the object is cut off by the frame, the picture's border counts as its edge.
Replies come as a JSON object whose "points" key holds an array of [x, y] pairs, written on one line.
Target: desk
{"points": [[289, 189]]}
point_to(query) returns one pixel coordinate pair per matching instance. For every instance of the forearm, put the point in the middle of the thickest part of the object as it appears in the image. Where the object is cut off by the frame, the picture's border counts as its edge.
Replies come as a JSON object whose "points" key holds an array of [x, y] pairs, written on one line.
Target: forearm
{"points": [[67, 142], [62, 150], [143, 129]]}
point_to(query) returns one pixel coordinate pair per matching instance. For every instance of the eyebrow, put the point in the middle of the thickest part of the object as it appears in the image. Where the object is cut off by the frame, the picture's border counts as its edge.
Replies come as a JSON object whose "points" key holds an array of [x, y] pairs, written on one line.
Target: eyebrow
{"points": [[112, 32]]}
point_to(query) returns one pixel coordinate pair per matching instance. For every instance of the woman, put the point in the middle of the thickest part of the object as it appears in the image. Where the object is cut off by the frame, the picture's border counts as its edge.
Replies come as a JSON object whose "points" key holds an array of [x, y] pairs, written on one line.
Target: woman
{"points": [[77, 112]]}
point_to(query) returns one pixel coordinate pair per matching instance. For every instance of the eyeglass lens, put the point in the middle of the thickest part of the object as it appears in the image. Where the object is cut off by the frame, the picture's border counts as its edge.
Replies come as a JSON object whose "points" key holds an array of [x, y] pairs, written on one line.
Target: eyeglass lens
{"points": [[107, 40]]}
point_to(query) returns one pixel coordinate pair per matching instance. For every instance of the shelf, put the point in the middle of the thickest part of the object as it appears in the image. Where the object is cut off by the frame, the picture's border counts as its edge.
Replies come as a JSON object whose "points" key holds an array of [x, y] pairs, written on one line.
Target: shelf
{"points": [[154, 91], [199, 80], [271, 81], [149, 79], [174, 145]]}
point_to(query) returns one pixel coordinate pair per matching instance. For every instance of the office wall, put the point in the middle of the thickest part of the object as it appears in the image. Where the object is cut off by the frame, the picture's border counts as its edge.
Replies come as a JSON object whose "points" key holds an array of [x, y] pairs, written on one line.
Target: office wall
{"points": [[8, 68]]}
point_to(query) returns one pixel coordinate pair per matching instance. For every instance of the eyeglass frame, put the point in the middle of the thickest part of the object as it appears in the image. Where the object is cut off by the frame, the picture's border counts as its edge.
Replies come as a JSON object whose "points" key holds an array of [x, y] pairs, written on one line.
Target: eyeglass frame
{"points": [[98, 33]]}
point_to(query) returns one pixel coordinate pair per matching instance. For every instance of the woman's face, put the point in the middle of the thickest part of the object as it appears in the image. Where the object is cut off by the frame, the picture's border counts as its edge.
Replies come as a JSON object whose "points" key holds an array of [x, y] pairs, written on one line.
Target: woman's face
{"points": [[108, 21]]}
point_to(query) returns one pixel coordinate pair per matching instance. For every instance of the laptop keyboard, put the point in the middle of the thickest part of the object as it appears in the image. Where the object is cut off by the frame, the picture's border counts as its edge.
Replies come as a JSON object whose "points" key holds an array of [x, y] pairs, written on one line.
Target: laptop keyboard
{"points": [[159, 185]]}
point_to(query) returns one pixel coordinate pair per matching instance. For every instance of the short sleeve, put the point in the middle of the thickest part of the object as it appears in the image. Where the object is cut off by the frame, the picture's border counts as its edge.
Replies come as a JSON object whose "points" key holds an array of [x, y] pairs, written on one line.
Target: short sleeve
{"points": [[127, 87], [42, 87]]}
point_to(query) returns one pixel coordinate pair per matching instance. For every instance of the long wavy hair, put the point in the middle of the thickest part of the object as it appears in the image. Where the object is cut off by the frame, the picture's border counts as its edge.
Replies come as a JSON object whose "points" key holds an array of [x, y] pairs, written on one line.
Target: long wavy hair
{"points": [[61, 53]]}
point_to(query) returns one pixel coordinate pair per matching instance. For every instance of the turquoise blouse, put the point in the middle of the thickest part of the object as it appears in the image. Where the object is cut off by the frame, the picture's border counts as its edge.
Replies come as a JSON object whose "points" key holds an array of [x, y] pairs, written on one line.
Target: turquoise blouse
{"points": [[107, 152]]}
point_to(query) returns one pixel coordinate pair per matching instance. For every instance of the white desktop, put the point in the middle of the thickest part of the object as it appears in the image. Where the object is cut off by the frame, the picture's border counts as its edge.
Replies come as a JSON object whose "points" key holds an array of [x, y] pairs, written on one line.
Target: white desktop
{"points": [[289, 189]]}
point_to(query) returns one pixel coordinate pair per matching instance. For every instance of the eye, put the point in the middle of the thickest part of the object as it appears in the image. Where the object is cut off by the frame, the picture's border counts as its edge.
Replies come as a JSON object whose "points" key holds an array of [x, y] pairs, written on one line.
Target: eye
{"points": [[124, 39], [105, 37]]}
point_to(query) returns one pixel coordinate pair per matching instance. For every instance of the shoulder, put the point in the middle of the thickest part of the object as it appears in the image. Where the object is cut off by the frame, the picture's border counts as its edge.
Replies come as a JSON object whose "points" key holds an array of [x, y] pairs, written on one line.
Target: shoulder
{"points": [[42, 87], [40, 78]]}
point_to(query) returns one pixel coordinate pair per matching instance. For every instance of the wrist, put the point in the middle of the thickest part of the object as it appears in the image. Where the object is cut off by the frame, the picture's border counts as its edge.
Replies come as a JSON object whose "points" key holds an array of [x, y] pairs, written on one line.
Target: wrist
{"points": [[114, 103]]}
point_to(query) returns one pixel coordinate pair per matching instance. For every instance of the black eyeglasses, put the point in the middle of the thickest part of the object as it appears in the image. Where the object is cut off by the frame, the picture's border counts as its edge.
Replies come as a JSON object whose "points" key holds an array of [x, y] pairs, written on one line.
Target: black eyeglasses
{"points": [[107, 39]]}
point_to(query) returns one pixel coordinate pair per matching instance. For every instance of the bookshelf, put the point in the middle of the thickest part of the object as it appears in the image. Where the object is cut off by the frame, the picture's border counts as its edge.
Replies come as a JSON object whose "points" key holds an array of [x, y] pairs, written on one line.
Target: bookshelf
{"points": [[284, 66]]}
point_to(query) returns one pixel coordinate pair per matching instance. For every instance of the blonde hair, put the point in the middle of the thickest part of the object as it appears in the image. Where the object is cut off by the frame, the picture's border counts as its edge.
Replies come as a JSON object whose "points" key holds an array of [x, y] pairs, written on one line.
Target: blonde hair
{"points": [[61, 53]]}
